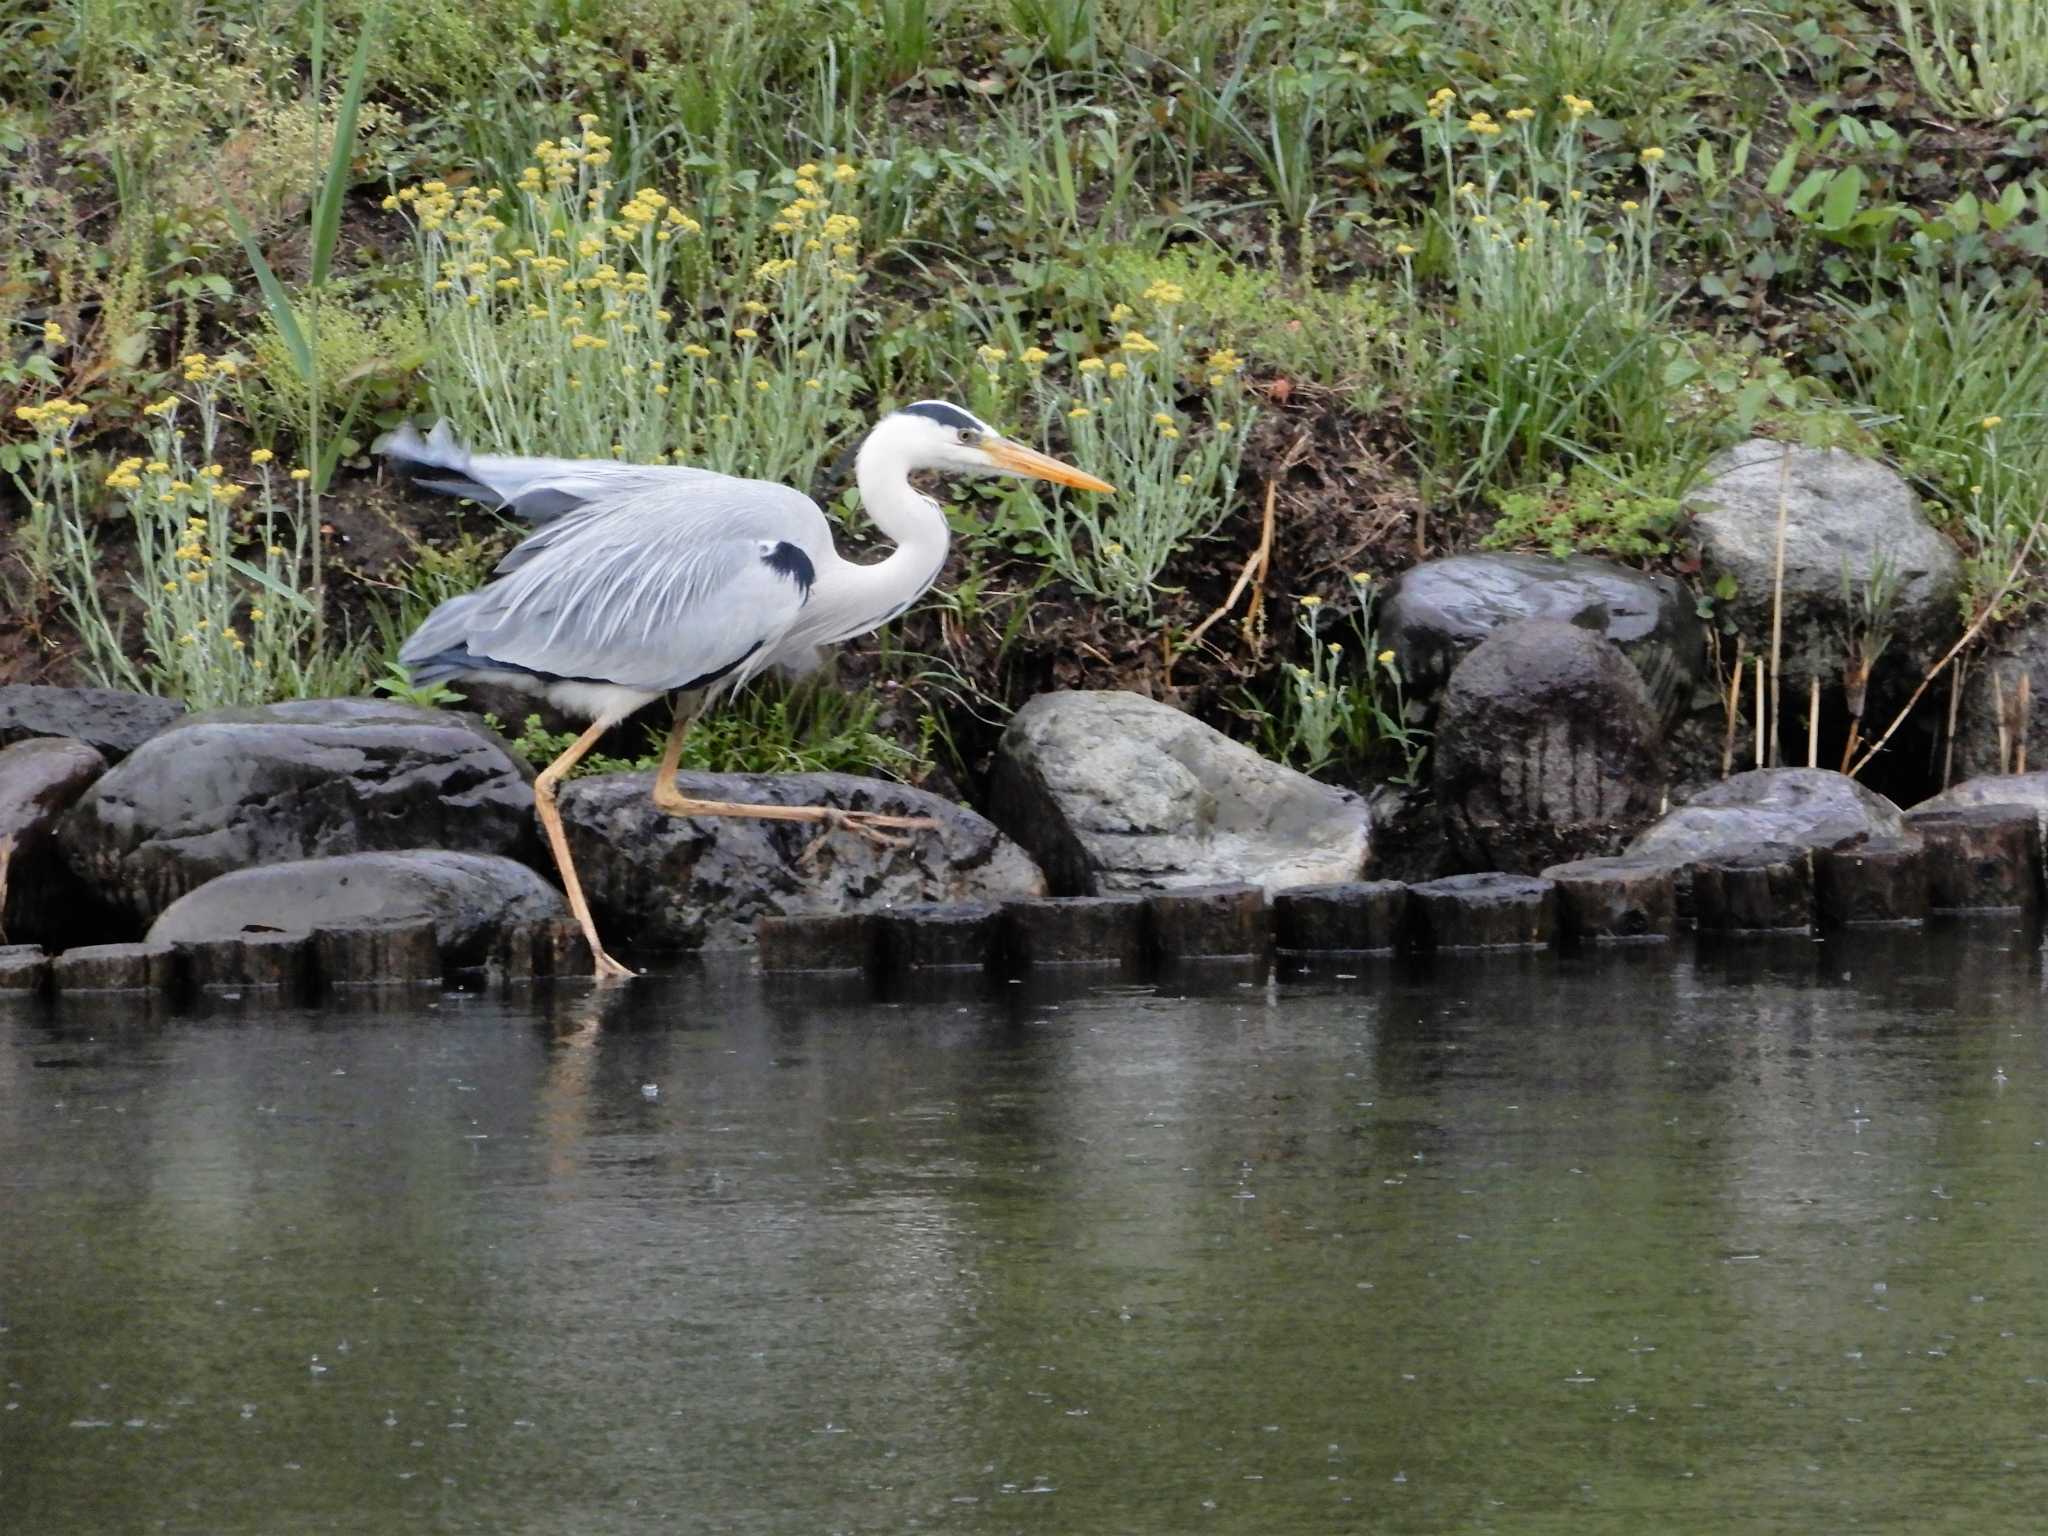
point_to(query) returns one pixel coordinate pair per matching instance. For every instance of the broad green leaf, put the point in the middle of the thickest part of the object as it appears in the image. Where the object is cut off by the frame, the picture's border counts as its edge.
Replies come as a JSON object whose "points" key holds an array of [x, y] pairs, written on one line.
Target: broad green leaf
{"points": [[1844, 193], [1781, 173]]}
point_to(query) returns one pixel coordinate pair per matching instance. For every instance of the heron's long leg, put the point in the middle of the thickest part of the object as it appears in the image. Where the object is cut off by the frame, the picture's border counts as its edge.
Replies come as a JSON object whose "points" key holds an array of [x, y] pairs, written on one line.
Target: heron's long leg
{"points": [[867, 824], [608, 969]]}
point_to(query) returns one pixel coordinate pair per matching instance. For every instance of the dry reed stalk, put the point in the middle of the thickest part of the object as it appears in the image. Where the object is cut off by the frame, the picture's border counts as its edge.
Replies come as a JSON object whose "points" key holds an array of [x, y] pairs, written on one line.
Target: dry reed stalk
{"points": [[1969, 635], [1763, 729], [1732, 712], [1813, 722], [2025, 695]]}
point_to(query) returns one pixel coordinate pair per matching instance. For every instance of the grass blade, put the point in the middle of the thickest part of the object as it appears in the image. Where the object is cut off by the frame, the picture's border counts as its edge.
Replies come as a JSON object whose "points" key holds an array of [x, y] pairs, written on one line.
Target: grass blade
{"points": [[327, 215]]}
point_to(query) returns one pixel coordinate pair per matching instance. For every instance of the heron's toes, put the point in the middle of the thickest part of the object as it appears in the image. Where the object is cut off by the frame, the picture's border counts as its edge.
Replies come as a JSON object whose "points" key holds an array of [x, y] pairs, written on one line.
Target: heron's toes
{"points": [[609, 969]]}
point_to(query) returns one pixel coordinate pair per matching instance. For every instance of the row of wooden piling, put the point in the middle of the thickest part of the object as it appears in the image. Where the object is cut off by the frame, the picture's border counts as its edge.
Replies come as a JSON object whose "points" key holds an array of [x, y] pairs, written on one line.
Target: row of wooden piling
{"points": [[1983, 859]]}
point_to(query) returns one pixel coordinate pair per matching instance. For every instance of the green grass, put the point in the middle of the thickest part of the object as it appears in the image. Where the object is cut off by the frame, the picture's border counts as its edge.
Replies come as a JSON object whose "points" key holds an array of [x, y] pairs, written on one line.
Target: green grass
{"points": [[1445, 285]]}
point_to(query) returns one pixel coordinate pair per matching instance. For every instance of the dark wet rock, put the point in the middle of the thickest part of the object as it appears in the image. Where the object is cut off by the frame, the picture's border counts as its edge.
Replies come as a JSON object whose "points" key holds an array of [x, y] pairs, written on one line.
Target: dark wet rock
{"points": [[110, 721], [1844, 514], [234, 789], [392, 953], [1980, 857], [1117, 792], [271, 963], [1437, 612], [1211, 920], [40, 778], [1808, 807], [1756, 888], [1546, 750], [467, 897], [1871, 880], [2008, 688], [1074, 930], [818, 941], [934, 936], [115, 968], [1355, 915], [670, 882], [1629, 897], [1484, 911]]}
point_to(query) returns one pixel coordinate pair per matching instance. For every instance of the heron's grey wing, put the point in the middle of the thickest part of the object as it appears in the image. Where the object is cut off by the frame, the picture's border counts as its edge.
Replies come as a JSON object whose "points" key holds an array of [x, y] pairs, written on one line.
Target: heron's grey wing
{"points": [[650, 590], [542, 490]]}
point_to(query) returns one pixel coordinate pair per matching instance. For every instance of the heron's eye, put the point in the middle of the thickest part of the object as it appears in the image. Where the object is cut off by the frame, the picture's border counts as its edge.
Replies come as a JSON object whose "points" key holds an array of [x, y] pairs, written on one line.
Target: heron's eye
{"points": [[968, 435]]}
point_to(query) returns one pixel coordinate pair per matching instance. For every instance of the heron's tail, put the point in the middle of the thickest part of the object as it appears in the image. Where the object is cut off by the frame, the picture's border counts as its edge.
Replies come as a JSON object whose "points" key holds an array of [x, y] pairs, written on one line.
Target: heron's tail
{"points": [[439, 648], [534, 488]]}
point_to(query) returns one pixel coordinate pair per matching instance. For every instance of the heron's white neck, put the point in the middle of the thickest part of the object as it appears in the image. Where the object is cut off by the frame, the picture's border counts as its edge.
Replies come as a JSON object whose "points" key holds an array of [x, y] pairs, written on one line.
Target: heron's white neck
{"points": [[868, 596]]}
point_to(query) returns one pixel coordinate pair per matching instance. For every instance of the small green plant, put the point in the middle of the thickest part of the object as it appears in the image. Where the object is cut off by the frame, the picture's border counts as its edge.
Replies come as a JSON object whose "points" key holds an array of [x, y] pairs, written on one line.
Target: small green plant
{"points": [[1175, 475], [1983, 59], [769, 727], [1347, 707], [1594, 510], [1555, 345], [553, 327], [225, 610]]}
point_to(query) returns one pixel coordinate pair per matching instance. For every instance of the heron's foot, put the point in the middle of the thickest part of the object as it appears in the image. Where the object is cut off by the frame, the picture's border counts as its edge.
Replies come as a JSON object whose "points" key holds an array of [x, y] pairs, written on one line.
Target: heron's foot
{"points": [[609, 969], [871, 827]]}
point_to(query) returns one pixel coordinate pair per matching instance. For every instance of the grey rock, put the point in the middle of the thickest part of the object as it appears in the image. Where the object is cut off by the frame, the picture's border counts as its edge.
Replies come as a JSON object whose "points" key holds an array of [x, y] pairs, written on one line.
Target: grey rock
{"points": [[1844, 514], [1436, 612], [1546, 750], [1803, 807], [672, 882], [39, 780], [1993, 694], [237, 788], [110, 720], [1117, 792], [468, 897], [2025, 789]]}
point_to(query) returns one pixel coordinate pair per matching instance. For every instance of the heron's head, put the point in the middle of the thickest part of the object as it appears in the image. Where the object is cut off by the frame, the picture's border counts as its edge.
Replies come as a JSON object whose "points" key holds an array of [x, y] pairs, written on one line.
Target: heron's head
{"points": [[934, 435]]}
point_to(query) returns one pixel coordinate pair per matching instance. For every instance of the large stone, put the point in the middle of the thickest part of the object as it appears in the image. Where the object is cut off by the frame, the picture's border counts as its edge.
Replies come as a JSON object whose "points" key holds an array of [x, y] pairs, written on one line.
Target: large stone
{"points": [[237, 788], [2005, 705], [468, 897], [110, 721], [1805, 807], [677, 882], [1546, 750], [1846, 518], [39, 780], [1117, 792], [2024, 789], [1437, 612]]}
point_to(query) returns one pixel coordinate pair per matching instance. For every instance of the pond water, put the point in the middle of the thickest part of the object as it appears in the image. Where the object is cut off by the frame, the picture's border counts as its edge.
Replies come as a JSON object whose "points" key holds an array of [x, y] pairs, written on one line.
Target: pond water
{"points": [[1744, 1238]]}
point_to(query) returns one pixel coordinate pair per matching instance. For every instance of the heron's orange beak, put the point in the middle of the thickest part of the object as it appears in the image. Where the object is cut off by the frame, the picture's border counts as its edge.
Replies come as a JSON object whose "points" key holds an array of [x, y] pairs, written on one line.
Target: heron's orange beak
{"points": [[1019, 460]]}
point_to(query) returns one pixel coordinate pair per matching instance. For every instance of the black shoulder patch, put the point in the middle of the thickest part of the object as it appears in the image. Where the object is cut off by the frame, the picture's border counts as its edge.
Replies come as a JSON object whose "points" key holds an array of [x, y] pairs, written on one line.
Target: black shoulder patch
{"points": [[945, 415], [786, 559]]}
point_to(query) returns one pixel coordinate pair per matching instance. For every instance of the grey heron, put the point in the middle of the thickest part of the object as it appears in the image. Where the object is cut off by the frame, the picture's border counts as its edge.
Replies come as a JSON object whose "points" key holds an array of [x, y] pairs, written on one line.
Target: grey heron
{"points": [[645, 580]]}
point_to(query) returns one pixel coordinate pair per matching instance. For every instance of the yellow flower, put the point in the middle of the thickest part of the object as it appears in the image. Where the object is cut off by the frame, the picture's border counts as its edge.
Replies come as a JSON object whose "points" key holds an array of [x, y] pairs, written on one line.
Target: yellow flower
{"points": [[1577, 106], [1223, 426], [1119, 313], [302, 473], [1311, 601], [1090, 365], [1652, 155], [261, 456], [844, 172], [1079, 413], [1992, 423], [1520, 114], [695, 350], [814, 383], [53, 333], [1033, 357], [1629, 205], [1361, 577], [255, 615], [1118, 370], [1162, 419], [1385, 658], [1183, 479], [747, 333], [1165, 293], [1404, 249], [1138, 341]]}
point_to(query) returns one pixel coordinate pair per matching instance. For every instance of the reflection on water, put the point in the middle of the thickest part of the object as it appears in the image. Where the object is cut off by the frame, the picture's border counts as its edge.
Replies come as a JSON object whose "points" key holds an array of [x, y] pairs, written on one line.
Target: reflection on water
{"points": [[1743, 1237]]}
